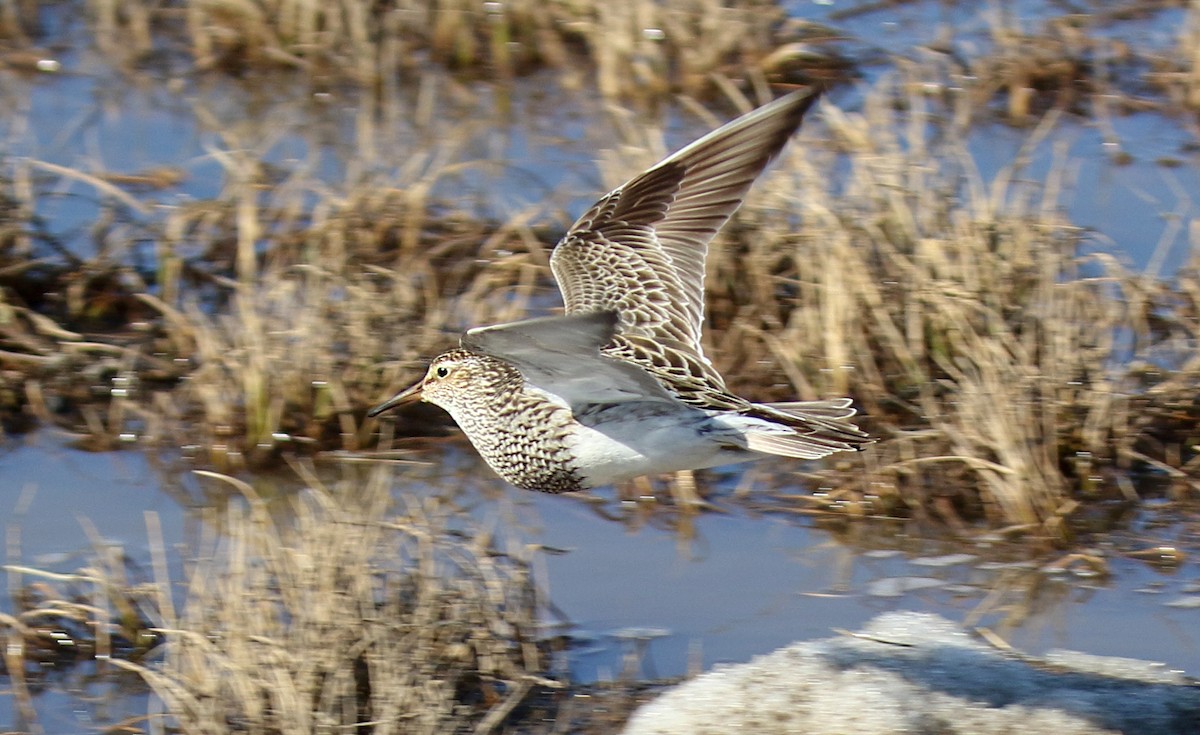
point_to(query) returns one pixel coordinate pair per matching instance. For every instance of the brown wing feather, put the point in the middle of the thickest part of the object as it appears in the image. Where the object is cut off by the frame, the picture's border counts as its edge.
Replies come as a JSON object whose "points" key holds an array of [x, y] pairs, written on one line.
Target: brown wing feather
{"points": [[640, 250]]}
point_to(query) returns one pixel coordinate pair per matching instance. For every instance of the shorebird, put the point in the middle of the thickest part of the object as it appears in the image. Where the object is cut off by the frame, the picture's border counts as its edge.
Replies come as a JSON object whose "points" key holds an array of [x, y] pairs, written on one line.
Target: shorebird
{"points": [[619, 387]]}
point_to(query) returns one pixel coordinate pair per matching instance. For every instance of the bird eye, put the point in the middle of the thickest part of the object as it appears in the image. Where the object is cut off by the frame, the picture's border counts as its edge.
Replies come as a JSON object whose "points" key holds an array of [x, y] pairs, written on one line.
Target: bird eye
{"points": [[442, 371]]}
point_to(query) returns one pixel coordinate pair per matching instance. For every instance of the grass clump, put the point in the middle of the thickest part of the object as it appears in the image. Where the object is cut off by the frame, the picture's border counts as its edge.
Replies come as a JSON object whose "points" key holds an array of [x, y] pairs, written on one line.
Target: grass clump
{"points": [[340, 619], [334, 613], [997, 349], [634, 50], [1013, 367], [1178, 69], [994, 350], [311, 337], [1063, 64], [266, 318]]}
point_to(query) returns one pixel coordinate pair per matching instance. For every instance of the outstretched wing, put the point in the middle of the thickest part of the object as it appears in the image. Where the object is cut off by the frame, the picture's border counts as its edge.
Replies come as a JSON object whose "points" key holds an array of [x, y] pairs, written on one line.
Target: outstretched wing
{"points": [[640, 250], [561, 355]]}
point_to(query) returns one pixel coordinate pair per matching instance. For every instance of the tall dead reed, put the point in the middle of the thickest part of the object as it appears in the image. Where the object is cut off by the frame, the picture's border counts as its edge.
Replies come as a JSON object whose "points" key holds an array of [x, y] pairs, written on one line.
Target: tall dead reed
{"points": [[1048, 63], [344, 610], [1011, 364], [635, 49], [1189, 49], [988, 346], [1175, 69]]}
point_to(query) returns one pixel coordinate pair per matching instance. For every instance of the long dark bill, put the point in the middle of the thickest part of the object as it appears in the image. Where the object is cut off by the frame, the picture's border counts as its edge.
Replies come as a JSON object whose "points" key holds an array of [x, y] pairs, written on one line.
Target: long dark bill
{"points": [[408, 395]]}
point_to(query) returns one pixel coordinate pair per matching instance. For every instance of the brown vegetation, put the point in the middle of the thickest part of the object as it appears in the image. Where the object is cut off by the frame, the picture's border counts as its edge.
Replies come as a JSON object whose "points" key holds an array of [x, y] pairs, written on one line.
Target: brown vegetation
{"points": [[990, 347], [1012, 367], [327, 613], [1006, 361], [640, 49]]}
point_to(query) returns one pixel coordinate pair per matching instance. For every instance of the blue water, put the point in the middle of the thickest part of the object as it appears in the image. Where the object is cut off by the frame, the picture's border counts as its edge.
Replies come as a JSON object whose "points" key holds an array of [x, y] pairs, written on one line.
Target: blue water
{"points": [[726, 587], [746, 586], [532, 148], [741, 584]]}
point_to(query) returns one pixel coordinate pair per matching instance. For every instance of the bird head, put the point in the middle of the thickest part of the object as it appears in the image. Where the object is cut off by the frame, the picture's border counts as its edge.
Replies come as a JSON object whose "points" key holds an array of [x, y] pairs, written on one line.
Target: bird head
{"points": [[455, 379]]}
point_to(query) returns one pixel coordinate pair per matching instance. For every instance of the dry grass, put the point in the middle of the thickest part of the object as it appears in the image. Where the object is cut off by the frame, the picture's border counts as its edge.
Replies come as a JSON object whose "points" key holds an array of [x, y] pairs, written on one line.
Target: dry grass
{"points": [[633, 49], [270, 317], [335, 610], [1178, 70], [1063, 62], [1086, 61], [990, 350], [1011, 365], [1012, 368], [308, 335], [60, 621], [1189, 50]]}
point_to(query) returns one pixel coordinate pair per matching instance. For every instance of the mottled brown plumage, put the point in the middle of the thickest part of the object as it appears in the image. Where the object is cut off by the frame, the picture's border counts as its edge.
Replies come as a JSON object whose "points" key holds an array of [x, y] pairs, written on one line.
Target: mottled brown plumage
{"points": [[620, 386]]}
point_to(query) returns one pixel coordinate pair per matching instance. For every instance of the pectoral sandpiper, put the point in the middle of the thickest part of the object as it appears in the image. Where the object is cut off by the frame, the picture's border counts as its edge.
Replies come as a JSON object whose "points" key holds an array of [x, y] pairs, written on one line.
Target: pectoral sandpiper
{"points": [[619, 387]]}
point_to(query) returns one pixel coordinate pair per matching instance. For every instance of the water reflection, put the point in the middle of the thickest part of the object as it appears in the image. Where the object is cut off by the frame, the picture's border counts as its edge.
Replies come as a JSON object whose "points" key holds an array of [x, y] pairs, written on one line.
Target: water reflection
{"points": [[643, 586], [736, 579]]}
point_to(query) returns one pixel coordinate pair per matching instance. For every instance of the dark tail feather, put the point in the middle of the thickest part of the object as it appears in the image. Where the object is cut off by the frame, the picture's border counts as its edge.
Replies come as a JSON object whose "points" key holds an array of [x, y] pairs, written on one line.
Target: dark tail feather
{"points": [[799, 446], [818, 424]]}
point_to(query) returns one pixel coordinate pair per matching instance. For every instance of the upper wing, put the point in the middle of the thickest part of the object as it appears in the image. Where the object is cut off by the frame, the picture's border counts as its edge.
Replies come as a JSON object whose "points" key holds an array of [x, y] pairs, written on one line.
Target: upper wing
{"points": [[640, 250], [561, 355]]}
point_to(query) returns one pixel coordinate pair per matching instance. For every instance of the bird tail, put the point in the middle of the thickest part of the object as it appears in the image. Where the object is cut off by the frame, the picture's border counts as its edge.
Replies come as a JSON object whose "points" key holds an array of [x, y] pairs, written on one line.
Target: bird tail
{"points": [[818, 429]]}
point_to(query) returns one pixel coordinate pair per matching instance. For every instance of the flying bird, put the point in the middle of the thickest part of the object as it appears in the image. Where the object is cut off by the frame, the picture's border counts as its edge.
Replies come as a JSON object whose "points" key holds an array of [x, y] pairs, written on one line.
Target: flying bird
{"points": [[619, 386]]}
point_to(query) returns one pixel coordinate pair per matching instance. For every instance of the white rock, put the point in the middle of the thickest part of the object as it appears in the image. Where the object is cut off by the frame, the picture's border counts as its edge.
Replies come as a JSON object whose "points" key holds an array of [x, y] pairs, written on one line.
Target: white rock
{"points": [[917, 673]]}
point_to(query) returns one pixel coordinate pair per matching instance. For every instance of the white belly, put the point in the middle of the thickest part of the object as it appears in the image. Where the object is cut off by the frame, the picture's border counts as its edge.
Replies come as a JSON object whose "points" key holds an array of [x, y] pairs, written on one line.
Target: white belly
{"points": [[623, 442]]}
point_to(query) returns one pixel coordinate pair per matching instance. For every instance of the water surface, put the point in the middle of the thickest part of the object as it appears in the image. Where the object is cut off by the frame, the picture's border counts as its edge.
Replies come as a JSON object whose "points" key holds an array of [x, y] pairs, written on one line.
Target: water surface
{"points": [[732, 584]]}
